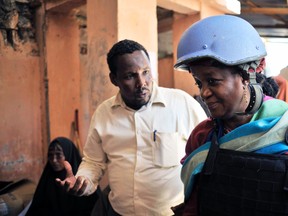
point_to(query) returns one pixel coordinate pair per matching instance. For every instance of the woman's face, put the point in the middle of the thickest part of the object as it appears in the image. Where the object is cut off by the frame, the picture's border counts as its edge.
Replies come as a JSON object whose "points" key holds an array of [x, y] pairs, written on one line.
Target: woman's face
{"points": [[56, 157], [222, 90]]}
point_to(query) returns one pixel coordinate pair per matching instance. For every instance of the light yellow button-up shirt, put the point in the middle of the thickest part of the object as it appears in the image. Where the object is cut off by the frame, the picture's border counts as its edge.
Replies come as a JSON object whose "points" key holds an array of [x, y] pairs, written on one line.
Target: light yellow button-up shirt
{"points": [[141, 150]]}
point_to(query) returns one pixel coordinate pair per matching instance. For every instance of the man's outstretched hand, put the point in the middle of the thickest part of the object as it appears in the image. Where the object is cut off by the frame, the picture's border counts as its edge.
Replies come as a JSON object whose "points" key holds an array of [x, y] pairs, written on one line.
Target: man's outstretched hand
{"points": [[70, 184]]}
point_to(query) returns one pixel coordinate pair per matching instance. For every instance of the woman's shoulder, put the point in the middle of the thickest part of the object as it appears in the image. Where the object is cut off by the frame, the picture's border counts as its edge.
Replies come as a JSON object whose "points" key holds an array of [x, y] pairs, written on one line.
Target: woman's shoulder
{"points": [[199, 136], [205, 125], [202, 130]]}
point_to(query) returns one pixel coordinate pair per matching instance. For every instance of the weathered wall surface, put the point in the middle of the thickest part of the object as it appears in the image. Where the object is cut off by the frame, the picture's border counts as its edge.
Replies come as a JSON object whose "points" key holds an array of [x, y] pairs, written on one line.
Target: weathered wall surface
{"points": [[20, 100], [63, 66], [183, 80], [165, 72], [21, 144]]}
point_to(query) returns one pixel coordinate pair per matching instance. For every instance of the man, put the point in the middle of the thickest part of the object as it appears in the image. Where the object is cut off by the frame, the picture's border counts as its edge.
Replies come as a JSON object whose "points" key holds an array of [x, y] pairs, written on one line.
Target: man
{"points": [[138, 137]]}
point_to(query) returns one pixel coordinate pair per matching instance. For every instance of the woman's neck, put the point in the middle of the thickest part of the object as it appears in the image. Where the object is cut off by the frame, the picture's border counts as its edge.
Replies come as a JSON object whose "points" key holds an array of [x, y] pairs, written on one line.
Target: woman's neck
{"points": [[231, 124]]}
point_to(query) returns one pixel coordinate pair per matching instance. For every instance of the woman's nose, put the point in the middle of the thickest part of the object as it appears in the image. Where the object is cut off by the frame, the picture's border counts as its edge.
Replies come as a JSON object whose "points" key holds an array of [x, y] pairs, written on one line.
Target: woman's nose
{"points": [[205, 92], [54, 159]]}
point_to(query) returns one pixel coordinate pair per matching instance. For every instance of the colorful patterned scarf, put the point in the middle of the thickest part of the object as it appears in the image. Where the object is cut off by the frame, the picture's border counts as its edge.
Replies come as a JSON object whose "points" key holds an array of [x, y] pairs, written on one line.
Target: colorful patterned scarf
{"points": [[265, 133]]}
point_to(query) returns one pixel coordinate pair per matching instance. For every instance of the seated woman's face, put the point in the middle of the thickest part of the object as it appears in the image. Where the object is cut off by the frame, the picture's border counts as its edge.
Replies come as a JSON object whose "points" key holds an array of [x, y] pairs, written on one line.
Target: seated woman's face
{"points": [[56, 157]]}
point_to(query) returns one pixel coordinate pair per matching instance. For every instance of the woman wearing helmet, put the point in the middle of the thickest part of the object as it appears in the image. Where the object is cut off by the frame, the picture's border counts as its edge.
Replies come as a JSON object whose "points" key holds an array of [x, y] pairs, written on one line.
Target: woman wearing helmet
{"points": [[235, 161]]}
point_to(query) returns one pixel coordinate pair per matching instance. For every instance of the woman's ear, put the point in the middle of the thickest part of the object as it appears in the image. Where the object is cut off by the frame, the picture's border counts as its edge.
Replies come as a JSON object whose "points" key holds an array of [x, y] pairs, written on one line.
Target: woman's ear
{"points": [[245, 78], [113, 79], [245, 82]]}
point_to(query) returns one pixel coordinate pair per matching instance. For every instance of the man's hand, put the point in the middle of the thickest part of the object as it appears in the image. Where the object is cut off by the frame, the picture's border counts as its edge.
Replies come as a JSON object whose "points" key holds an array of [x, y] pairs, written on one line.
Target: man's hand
{"points": [[70, 184]]}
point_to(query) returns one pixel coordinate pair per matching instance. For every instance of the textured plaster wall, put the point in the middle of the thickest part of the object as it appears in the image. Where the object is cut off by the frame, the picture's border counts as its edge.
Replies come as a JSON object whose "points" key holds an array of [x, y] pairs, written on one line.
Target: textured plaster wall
{"points": [[20, 108], [21, 86], [183, 80], [63, 66]]}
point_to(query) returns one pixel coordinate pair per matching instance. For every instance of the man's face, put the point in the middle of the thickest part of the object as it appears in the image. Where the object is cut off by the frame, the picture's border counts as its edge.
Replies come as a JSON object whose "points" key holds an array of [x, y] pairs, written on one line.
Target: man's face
{"points": [[133, 78]]}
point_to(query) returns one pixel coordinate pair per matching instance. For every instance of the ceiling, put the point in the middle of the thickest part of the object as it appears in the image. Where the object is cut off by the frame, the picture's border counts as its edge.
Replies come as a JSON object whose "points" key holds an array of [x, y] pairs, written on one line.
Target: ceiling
{"points": [[269, 17]]}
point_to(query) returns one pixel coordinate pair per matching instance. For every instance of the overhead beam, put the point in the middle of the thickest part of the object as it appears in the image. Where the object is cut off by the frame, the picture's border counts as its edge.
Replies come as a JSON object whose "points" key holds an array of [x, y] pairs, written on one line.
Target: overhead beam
{"points": [[64, 5], [180, 6], [271, 26], [273, 36], [226, 6], [268, 11]]}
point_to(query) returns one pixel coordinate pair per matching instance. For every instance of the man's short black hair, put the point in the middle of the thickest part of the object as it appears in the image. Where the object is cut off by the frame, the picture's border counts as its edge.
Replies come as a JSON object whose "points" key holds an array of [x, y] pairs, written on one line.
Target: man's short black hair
{"points": [[120, 48]]}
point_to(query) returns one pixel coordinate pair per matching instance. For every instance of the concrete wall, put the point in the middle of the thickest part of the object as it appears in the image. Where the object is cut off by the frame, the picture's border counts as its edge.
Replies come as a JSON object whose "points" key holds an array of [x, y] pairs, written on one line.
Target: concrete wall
{"points": [[63, 66], [182, 79], [20, 107], [166, 72]]}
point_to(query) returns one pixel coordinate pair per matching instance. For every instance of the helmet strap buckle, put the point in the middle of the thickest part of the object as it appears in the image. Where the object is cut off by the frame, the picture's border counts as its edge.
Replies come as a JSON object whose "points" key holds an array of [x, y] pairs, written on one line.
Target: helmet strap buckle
{"points": [[256, 98]]}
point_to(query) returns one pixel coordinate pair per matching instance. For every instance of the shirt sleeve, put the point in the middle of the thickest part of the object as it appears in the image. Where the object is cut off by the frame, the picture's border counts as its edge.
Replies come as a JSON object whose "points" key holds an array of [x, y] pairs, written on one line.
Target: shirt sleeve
{"points": [[93, 164]]}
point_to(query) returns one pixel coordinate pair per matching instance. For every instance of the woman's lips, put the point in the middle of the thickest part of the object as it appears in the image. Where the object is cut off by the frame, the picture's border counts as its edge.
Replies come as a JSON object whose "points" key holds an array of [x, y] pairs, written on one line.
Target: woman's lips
{"points": [[212, 105]]}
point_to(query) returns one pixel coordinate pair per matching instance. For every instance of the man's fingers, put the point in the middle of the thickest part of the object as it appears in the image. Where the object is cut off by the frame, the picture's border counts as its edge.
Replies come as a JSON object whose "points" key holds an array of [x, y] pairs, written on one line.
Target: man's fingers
{"points": [[68, 183], [59, 182], [71, 184], [68, 168], [82, 188], [79, 186], [67, 187]]}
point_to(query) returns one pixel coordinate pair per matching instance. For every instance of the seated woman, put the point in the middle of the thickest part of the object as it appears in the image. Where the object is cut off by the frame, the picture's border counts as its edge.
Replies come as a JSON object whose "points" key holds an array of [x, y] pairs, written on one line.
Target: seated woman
{"points": [[49, 199]]}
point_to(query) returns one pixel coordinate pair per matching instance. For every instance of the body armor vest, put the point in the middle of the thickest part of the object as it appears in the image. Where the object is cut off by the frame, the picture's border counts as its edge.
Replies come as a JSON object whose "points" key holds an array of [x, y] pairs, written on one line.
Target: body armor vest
{"points": [[235, 183]]}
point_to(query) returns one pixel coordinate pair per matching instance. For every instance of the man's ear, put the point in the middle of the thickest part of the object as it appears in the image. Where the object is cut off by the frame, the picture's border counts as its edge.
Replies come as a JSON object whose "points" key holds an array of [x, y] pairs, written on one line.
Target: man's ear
{"points": [[113, 79]]}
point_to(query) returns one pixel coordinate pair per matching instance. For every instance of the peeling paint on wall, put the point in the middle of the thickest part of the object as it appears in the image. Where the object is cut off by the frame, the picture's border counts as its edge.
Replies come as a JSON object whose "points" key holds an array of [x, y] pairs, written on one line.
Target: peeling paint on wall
{"points": [[17, 21], [81, 17], [15, 161], [10, 165]]}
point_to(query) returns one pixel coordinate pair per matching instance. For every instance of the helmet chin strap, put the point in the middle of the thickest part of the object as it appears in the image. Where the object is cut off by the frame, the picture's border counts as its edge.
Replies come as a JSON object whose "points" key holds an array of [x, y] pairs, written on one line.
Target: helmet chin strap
{"points": [[256, 92], [256, 98]]}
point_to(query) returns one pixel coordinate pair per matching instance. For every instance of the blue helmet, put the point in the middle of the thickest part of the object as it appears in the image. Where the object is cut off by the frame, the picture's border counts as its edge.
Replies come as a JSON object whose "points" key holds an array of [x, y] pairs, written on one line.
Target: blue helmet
{"points": [[225, 38]]}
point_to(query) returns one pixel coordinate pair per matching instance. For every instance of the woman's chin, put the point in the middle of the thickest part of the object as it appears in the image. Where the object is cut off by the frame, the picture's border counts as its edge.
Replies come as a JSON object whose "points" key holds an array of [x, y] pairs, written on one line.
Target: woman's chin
{"points": [[216, 114]]}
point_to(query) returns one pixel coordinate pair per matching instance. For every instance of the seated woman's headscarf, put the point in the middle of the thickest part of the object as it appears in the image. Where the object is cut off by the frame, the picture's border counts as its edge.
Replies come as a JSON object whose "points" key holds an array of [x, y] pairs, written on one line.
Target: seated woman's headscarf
{"points": [[49, 199]]}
